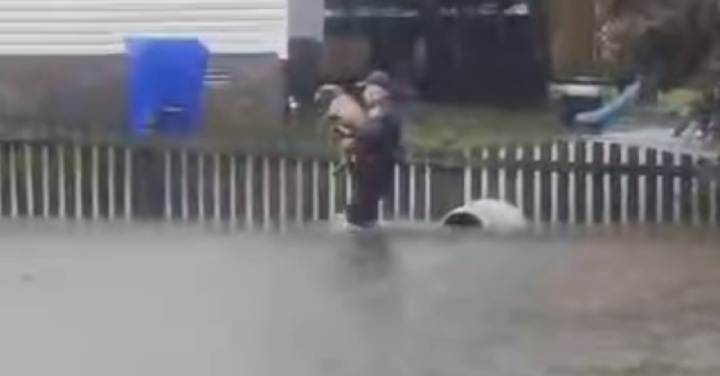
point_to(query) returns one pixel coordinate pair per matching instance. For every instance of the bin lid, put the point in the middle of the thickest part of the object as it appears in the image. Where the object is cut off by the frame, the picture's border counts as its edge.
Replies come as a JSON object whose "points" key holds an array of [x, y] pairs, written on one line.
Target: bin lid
{"points": [[577, 90]]}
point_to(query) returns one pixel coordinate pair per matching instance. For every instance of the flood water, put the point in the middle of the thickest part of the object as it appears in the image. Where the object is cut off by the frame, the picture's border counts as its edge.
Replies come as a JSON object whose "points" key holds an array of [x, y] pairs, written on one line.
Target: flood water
{"points": [[170, 301]]}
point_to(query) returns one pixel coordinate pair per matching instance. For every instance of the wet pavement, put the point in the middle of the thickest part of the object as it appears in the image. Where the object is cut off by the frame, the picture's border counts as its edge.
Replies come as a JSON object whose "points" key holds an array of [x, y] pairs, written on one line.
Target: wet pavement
{"points": [[145, 300]]}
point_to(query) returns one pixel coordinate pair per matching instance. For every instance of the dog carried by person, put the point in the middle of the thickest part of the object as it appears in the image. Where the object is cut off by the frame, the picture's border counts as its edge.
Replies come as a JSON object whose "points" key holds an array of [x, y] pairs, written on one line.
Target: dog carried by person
{"points": [[342, 116], [367, 132]]}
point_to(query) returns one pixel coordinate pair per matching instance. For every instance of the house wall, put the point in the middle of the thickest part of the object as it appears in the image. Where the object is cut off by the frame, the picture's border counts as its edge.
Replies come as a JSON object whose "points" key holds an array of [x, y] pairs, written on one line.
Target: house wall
{"points": [[63, 65]]}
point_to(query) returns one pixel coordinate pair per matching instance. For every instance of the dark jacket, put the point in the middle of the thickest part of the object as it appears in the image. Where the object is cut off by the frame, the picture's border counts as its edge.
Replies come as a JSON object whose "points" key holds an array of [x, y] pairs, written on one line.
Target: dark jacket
{"points": [[381, 136]]}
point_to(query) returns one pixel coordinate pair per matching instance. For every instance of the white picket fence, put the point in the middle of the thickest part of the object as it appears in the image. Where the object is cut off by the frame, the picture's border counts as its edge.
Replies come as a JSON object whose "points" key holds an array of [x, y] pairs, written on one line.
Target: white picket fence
{"points": [[572, 182]]}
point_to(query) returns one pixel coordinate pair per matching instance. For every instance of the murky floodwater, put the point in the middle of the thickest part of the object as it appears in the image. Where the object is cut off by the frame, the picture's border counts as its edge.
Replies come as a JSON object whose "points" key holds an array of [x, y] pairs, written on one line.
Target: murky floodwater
{"points": [[143, 300]]}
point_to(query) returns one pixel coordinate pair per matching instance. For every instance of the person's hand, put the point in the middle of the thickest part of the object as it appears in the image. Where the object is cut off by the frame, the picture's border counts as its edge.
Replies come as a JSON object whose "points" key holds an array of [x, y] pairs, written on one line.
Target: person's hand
{"points": [[347, 146]]}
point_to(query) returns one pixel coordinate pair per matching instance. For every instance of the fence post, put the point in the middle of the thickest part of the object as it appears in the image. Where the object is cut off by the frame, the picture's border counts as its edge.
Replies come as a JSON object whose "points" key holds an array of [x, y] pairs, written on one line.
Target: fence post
{"points": [[520, 179], [315, 190], [299, 193], [332, 190], [502, 159], [45, 166], [428, 191], [147, 175], [572, 161], [95, 182], [3, 176], [537, 184], [168, 179], [412, 187], [396, 191], [200, 187], [29, 170], [282, 179], [249, 191], [233, 190], [714, 198], [467, 176], [14, 197], [266, 189]]}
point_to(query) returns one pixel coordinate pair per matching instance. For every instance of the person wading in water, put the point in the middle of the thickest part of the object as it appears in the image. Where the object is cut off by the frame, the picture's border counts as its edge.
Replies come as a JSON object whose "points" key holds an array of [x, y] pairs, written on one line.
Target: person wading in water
{"points": [[377, 150]]}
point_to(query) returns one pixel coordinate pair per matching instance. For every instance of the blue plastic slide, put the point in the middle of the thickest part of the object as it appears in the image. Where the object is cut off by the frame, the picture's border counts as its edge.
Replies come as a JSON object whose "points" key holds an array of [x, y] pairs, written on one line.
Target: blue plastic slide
{"points": [[606, 114]]}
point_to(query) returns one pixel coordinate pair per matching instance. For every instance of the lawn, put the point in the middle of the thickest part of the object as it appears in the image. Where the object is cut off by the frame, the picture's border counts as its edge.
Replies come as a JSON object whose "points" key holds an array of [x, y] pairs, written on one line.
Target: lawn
{"points": [[446, 127], [439, 127], [457, 127], [434, 127]]}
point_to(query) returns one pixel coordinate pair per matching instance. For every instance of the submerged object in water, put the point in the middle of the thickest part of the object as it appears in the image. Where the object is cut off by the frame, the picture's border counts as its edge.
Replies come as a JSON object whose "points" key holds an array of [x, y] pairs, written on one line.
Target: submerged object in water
{"points": [[487, 214]]}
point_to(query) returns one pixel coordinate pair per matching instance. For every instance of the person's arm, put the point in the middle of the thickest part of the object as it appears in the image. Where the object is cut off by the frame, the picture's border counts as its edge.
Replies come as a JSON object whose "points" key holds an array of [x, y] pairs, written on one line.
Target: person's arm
{"points": [[343, 131], [368, 133]]}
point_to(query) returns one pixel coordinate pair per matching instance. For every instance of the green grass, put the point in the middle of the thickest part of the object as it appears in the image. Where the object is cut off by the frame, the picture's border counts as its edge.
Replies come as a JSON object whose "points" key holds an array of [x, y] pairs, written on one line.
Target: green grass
{"points": [[678, 101], [436, 128], [456, 127], [452, 128]]}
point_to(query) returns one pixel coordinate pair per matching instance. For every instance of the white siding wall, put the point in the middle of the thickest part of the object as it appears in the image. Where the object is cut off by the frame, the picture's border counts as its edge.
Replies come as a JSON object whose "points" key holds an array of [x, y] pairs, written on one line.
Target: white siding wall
{"points": [[91, 27]]}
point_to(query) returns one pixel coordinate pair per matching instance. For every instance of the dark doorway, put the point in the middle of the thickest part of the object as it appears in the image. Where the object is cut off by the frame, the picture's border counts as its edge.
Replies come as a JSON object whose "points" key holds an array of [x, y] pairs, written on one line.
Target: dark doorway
{"points": [[472, 51]]}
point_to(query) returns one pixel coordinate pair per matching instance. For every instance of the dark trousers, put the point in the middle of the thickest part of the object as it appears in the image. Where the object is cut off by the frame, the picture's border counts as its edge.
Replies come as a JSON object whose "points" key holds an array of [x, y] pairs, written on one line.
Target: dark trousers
{"points": [[372, 180]]}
